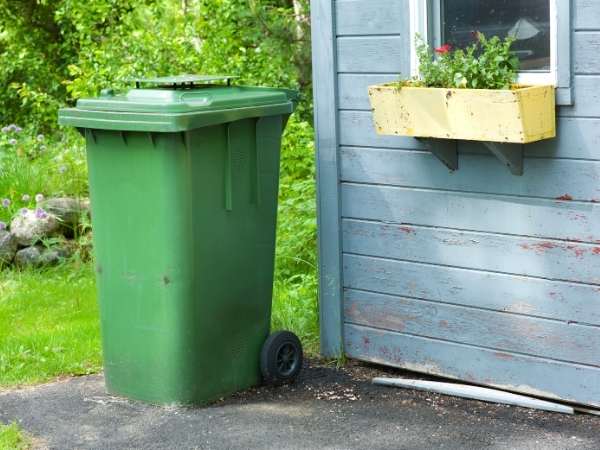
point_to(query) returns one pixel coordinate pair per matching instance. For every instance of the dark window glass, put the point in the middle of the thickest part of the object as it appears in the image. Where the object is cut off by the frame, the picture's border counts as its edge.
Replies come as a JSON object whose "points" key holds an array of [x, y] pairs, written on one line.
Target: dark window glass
{"points": [[527, 20]]}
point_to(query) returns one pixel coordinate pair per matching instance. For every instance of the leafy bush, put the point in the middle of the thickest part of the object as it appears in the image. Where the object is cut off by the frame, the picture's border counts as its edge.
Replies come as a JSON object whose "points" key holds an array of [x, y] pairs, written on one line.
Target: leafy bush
{"points": [[263, 42], [485, 64], [55, 52]]}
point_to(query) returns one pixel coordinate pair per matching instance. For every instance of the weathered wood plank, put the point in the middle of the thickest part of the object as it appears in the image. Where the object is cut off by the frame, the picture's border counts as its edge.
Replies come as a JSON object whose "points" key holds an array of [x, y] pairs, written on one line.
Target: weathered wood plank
{"points": [[512, 333], [576, 138], [357, 129], [575, 221], [535, 376], [499, 292], [353, 93], [569, 179], [353, 89], [556, 260], [586, 49], [328, 199], [364, 17], [586, 14], [586, 97], [364, 54]]}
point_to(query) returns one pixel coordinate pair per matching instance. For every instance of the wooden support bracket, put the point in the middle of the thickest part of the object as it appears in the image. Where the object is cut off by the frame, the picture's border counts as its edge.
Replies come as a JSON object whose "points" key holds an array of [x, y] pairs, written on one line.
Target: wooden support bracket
{"points": [[446, 150], [510, 155]]}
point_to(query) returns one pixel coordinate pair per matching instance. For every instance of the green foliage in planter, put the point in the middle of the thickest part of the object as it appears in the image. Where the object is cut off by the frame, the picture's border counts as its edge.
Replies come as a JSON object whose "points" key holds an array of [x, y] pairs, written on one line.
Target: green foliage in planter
{"points": [[485, 64]]}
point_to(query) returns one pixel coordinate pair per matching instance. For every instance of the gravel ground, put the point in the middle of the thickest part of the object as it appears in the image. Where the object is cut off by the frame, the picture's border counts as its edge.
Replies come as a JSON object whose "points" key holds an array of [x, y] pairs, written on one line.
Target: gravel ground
{"points": [[326, 408]]}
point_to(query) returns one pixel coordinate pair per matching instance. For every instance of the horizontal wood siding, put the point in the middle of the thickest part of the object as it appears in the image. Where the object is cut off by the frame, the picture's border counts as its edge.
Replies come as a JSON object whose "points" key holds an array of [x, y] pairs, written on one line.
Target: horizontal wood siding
{"points": [[587, 15], [576, 138], [542, 377], [380, 17], [587, 52], [544, 177], [542, 258], [492, 213], [361, 54], [490, 329], [475, 274], [510, 294]]}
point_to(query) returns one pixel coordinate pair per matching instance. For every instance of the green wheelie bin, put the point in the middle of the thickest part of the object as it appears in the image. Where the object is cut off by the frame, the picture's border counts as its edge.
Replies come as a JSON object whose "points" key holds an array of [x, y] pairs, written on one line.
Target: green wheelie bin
{"points": [[183, 178]]}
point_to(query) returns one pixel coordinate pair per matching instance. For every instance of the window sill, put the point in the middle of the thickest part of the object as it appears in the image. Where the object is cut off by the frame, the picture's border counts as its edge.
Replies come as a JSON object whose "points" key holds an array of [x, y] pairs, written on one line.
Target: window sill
{"points": [[564, 96]]}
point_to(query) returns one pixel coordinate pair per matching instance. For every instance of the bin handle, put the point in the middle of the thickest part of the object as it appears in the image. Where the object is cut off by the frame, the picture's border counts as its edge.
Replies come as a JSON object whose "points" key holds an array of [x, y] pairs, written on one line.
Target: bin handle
{"points": [[183, 81]]}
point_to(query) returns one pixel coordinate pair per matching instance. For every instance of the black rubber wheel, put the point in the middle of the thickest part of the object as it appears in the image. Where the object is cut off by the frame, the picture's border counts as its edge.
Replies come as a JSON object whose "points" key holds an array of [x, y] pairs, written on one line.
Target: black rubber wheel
{"points": [[281, 357]]}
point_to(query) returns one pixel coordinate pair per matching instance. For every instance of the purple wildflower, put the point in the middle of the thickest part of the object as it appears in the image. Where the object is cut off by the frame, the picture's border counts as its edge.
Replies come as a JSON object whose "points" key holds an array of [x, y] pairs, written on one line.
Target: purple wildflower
{"points": [[2, 226], [12, 141], [5, 129], [5, 203], [39, 198], [18, 129], [26, 197], [40, 213], [24, 211]]}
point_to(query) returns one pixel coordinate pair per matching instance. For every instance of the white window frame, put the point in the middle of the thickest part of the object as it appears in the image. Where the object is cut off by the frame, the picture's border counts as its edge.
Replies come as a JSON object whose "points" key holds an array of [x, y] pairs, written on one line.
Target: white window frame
{"points": [[425, 19]]}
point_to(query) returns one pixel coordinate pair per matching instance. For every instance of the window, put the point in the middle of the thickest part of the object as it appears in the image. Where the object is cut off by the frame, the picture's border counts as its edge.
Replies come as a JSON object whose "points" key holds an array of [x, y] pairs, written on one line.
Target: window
{"points": [[540, 27], [527, 21]]}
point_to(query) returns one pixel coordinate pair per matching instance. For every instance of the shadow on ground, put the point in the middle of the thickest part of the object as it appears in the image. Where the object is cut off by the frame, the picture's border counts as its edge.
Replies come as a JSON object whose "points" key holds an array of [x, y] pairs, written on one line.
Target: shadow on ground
{"points": [[327, 408]]}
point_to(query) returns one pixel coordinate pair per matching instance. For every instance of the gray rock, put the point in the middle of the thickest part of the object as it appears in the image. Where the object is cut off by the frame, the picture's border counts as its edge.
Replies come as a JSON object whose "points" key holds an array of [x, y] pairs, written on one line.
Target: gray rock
{"points": [[29, 226], [54, 255], [29, 256], [66, 209], [38, 256], [8, 247]]}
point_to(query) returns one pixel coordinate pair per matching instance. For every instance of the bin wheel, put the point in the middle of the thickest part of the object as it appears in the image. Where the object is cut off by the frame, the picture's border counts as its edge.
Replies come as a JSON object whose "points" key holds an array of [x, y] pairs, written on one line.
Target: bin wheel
{"points": [[281, 357]]}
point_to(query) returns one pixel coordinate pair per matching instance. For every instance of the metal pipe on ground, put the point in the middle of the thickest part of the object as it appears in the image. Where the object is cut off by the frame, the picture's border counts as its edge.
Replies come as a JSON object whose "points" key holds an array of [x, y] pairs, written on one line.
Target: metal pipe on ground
{"points": [[476, 393]]}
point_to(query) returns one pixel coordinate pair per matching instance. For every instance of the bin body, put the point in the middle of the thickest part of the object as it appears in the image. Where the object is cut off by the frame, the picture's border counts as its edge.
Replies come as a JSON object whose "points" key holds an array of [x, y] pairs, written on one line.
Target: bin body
{"points": [[184, 235]]}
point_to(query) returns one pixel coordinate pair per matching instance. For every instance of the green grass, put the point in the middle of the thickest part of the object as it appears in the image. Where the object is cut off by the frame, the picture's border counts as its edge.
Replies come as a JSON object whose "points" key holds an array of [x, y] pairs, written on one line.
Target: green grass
{"points": [[49, 324], [295, 309], [12, 438]]}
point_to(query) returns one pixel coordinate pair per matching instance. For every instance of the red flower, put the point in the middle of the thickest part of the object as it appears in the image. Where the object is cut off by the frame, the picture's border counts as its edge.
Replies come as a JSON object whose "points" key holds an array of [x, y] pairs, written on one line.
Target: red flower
{"points": [[443, 49]]}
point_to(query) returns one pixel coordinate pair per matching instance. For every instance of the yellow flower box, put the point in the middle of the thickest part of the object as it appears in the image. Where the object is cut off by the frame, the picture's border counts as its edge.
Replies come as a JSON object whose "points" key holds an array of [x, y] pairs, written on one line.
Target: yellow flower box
{"points": [[520, 115]]}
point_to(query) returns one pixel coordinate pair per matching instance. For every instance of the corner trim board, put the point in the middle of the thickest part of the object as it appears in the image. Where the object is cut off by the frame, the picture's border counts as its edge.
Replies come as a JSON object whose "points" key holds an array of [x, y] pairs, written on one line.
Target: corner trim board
{"points": [[328, 180]]}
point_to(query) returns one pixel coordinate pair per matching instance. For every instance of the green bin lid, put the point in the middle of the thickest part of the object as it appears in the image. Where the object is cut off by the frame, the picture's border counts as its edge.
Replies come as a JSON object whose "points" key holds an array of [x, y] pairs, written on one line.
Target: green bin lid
{"points": [[177, 103]]}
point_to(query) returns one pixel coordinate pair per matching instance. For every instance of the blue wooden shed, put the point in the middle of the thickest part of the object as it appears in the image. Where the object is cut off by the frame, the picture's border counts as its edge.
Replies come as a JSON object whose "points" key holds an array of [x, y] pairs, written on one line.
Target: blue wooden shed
{"points": [[479, 273]]}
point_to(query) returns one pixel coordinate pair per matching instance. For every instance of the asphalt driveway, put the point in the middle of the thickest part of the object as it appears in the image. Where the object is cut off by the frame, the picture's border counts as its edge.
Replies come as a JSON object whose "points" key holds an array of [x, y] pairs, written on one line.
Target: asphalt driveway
{"points": [[327, 408]]}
